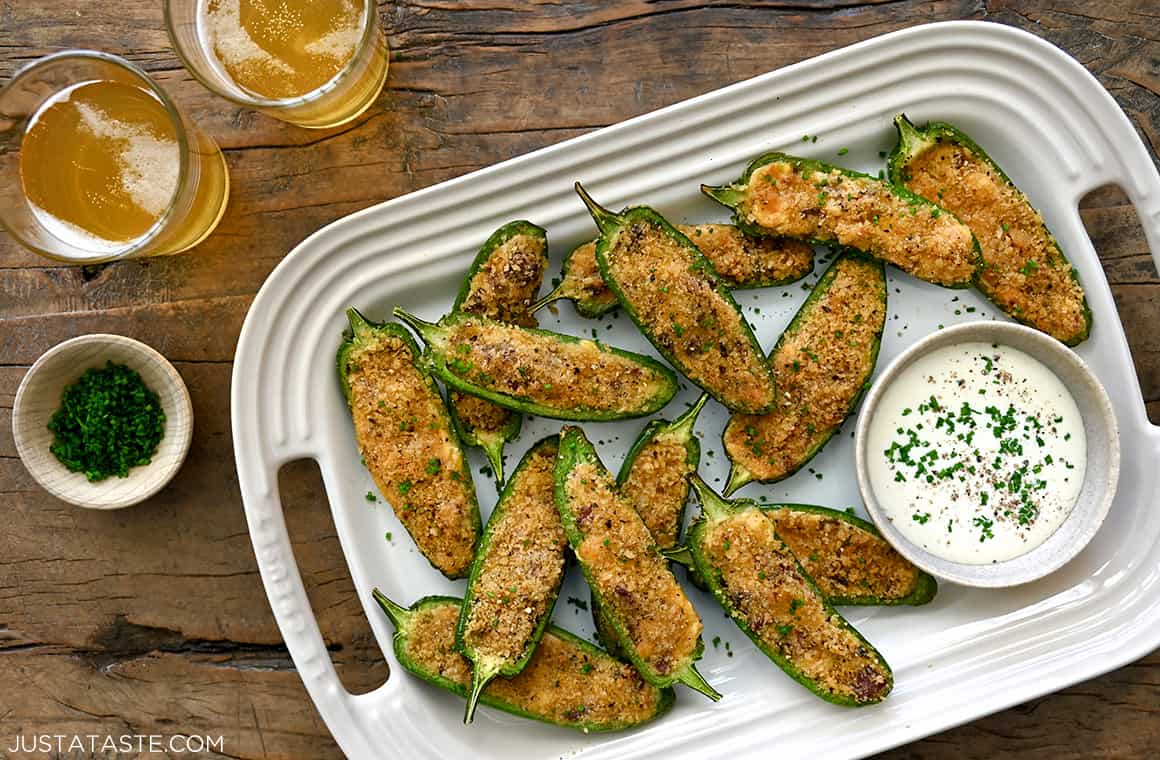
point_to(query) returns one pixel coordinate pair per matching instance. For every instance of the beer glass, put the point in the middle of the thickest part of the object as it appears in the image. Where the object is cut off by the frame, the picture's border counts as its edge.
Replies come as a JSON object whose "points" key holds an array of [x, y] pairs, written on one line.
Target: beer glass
{"points": [[97, 164], [312, 63]]}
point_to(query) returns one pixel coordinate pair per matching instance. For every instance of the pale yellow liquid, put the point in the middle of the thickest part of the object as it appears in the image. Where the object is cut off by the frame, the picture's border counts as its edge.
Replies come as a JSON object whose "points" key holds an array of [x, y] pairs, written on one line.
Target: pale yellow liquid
{"points": [[100, 163], [282, 48]]}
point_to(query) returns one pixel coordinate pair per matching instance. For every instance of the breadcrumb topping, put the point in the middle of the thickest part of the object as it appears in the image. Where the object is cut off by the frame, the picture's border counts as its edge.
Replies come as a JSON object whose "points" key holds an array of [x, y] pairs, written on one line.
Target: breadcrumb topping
{"points": [[820, 366], [547, 370], [479, 416], [1026, 274], [411, 452], [562, 681], [502, 289], [582, 280], [862, 213], [633, 581], [772, 599], [522, 563], [657, 486], [506, 284], [843, 560], [741, 261], [674, 294], [744, 261]]}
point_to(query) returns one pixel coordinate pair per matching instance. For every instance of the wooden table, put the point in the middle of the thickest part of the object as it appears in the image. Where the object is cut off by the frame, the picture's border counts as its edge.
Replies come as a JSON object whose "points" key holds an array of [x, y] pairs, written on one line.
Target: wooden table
{"points": [[153, 620]]}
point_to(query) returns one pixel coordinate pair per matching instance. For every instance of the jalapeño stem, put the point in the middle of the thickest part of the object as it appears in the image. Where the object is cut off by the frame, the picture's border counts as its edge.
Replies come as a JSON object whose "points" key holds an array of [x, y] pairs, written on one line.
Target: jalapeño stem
{"points": [[695, 681], [606, 221], [738, 476], [479, 679], [556, 295], [424, 328], [714, 507], [727, 195], [907, 132], [360, 326], [399, 616], [679, 554], [689, 418]]}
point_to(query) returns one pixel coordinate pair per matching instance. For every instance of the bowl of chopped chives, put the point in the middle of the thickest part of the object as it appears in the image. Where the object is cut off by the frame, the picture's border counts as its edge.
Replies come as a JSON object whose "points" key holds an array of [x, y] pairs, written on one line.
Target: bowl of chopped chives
{"points": [[102, 421]]}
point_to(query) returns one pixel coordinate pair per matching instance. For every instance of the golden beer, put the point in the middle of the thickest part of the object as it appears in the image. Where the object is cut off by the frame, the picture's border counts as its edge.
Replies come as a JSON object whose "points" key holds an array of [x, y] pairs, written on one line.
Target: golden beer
{"points": [[99, 165], [280, 49], [315, 63]]}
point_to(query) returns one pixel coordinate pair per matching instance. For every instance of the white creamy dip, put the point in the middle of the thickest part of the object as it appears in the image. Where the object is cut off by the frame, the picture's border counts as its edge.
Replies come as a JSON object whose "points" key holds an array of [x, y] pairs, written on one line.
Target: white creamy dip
{"points": [[976, 453]]}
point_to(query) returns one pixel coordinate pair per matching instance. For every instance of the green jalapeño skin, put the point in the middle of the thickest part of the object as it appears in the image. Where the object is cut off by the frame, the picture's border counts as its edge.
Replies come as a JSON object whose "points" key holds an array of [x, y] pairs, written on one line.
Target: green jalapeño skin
{"points": [[742, 261], [808, 200], [676, 298], [501, 284], [655, 474], [408, 443], [822, 364], [848, 559], [655, 479], [845, 556], [540, 372], [516, 575], [567, 682], [1025, 273], [760, 584], [581, 283], [656, 627]]}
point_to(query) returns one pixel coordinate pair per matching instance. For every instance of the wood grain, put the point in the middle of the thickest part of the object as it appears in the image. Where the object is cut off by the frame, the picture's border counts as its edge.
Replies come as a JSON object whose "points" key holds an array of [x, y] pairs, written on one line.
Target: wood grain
{"points": [[154, 620]]}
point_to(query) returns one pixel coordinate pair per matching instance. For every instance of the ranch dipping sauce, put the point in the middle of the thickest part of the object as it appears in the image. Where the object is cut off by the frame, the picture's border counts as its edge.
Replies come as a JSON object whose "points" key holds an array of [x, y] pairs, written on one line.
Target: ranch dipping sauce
{"points": [[976, 453]]}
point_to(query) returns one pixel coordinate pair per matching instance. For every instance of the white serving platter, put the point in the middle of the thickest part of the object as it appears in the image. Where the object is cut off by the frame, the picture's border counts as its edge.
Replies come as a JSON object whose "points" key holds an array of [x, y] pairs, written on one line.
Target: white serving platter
{"points": [[1039, 113]]}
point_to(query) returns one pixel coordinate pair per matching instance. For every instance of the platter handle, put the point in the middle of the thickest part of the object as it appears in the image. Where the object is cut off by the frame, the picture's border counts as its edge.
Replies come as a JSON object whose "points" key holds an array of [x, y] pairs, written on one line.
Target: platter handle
{"points": [[343, 712], [1148, 208], [1121, 159], [1146, 199]]}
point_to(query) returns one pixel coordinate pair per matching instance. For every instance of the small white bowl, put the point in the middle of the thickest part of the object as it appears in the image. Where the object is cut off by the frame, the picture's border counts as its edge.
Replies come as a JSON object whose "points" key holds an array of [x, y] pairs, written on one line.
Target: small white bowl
{"points": [[39, 396], [1101, 475]]}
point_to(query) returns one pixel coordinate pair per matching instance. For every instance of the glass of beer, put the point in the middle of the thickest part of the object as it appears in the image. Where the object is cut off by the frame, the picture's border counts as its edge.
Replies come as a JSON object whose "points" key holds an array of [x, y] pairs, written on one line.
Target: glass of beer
{"points": [[313, 63], [97, 164]]}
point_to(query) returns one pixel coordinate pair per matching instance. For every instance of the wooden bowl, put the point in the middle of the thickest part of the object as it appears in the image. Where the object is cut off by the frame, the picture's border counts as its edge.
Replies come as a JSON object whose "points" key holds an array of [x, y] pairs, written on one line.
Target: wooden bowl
{"points": [[39, 396]]}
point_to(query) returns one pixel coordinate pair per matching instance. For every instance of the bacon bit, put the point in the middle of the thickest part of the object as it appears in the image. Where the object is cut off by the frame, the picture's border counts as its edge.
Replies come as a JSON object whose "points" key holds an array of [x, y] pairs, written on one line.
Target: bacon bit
{"points": [[868, 684], [583, 513]]}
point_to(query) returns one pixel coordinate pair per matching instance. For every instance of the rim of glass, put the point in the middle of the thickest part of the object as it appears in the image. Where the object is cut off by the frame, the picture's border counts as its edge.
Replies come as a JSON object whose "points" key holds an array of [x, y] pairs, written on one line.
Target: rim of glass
{"points": [[370, 8], [182, 143]]}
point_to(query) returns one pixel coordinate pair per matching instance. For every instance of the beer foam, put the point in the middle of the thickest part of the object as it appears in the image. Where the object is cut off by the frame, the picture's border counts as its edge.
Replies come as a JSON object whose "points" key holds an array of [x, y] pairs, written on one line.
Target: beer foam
{"points": [[233, 44], [86, 245], [149, 165], [339, 43]]}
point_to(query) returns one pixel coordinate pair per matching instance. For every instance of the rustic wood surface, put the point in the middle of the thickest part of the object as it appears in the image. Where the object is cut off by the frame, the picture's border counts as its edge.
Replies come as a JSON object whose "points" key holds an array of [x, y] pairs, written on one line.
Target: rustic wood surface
{"points": [[154, 621]]}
